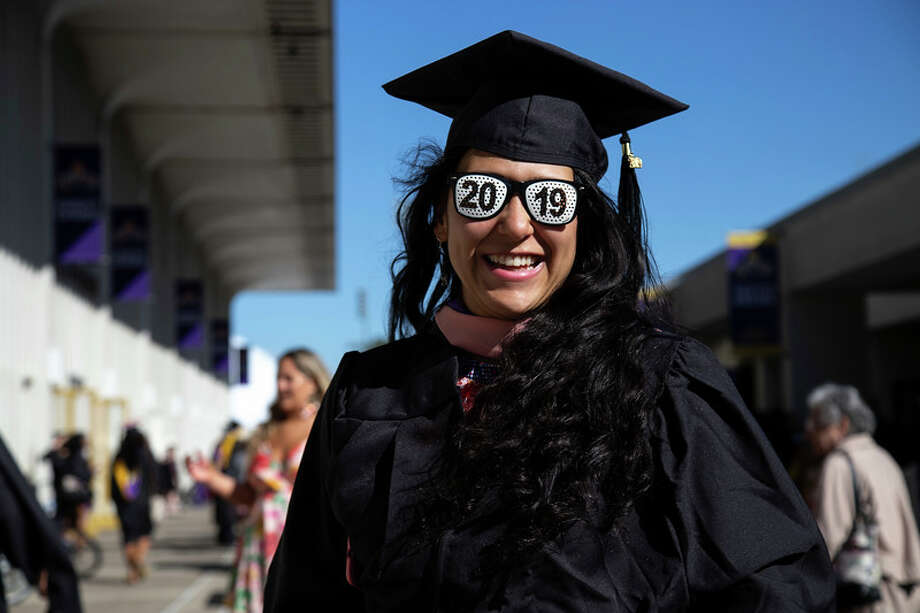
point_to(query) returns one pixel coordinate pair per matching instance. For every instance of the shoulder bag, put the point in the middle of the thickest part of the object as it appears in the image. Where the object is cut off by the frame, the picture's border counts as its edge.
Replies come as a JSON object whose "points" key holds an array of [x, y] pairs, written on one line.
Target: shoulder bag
{"points": [[859, 572]]}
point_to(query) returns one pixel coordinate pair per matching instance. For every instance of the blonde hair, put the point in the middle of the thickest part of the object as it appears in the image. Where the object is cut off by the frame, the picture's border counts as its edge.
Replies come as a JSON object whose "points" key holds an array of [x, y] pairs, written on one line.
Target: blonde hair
{"points": [[310, 365]]}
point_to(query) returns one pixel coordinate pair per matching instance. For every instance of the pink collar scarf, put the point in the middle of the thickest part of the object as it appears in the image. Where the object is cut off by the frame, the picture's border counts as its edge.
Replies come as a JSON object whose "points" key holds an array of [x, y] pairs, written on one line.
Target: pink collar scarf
{"points": [[482, 336]]}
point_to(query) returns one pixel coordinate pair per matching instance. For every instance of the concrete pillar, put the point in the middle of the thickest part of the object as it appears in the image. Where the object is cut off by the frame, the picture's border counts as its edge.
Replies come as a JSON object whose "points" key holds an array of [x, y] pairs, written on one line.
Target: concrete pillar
{"points": [[75, 120], [218, 308], [827, 340], [26, 214], [162, 262], [125, 188], [895, 393], [189, 264]]}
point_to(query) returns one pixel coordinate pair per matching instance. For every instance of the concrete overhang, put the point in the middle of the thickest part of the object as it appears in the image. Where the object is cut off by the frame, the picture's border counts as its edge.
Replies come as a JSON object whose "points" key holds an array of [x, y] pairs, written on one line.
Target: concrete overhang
{"points": [[229, 106], [863, 237]]}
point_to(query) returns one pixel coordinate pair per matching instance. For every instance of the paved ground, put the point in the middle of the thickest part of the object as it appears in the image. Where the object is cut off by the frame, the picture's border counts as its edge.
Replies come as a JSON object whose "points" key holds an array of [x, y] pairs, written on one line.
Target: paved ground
{"points": [[188, 573]]}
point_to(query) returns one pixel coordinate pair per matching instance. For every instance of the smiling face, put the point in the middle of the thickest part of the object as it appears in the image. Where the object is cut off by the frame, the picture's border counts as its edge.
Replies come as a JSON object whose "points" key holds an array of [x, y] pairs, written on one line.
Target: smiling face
{"points": [[295, 389], [508, 265]]}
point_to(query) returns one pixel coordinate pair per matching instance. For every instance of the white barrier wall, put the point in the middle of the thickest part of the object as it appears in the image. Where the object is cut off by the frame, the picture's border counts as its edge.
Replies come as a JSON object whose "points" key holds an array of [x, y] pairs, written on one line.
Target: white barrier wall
{"points": [[66, 365]]}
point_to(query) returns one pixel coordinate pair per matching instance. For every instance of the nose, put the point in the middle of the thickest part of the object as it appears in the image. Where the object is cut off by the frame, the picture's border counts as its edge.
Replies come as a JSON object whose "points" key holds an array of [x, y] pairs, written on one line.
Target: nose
{"points": [[514, 221]]}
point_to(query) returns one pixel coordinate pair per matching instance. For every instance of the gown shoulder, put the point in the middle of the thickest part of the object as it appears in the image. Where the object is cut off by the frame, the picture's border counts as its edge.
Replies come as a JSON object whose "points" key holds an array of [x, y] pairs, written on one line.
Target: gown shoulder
{"points": [[748, 542]]}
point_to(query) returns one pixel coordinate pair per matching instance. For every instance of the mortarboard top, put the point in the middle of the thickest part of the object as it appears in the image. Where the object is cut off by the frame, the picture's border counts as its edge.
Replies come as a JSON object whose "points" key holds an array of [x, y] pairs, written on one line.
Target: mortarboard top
{"points": [[522, 98]]}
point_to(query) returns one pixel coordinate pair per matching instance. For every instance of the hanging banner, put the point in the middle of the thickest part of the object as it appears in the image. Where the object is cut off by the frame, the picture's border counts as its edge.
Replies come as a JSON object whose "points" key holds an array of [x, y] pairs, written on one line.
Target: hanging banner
{"points": [[242, 366], [752, 263], [189, 314], [220, 347], [129, 240], [78, 229]]}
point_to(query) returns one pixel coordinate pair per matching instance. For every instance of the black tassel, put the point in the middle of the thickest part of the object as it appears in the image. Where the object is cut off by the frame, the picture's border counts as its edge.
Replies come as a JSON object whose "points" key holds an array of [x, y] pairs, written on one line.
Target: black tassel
{"points": [[629, 207], [629, 198]]}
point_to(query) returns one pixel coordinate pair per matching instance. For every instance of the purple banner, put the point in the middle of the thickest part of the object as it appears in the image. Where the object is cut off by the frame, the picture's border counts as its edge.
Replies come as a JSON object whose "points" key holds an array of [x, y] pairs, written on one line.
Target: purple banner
{"points": [[190, 335], [242, 366], [220, 347], [753, 294], [78, 223], [189, 314], [128, 248]]}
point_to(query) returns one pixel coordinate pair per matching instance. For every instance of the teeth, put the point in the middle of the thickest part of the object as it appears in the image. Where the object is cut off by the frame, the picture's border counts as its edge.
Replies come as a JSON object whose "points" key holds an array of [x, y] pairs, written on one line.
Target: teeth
{"points": [[513, 261]]}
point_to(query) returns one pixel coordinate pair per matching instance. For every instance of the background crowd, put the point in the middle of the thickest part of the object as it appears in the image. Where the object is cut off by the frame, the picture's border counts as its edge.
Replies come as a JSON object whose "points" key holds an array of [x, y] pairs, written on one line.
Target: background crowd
{"points": [[843, 475]]}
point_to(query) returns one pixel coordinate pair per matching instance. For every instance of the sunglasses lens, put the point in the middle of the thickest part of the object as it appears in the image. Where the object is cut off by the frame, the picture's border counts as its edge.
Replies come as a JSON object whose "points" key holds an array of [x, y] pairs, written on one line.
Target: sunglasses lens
{"points": [[479, 196], [551, 202]]}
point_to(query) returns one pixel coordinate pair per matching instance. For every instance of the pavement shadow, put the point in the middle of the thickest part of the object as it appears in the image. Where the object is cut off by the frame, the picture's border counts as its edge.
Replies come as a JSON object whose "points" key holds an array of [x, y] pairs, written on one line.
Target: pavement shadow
{"points": [[188, 544], [109, 581], [199, 565]]}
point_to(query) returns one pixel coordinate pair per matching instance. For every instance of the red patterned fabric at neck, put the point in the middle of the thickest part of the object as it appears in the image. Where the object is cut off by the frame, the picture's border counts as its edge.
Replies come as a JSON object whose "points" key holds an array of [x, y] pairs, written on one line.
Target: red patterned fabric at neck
{"points": [[473, 374]]}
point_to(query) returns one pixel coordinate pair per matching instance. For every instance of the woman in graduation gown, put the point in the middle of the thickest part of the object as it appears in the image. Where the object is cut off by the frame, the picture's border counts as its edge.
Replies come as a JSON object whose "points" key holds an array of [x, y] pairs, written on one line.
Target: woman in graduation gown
{"points": [[543, 441], [133, 485]]}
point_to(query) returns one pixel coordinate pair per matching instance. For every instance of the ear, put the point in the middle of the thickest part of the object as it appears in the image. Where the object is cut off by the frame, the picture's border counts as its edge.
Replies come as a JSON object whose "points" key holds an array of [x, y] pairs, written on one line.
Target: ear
{"points": [[845, 425], [440, 229]]}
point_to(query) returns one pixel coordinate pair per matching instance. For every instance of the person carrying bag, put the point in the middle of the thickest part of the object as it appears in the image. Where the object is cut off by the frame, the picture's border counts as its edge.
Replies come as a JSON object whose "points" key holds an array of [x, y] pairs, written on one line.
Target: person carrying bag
{"points": [[859, 571], [862, 506]]}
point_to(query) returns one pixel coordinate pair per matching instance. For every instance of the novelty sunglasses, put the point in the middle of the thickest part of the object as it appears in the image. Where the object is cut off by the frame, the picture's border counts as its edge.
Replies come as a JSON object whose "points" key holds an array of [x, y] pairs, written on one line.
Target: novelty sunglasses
{"points": [[480, 196]]}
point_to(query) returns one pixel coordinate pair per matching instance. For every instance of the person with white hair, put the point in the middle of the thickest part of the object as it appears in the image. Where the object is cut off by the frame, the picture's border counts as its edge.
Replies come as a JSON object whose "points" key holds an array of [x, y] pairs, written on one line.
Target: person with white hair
{"points": [[840, 425]]}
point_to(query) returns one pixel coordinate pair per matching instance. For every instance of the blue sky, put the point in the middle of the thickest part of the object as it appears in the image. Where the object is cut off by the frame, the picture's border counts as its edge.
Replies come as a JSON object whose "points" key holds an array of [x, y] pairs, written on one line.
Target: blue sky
{"points": [[788, 101]]}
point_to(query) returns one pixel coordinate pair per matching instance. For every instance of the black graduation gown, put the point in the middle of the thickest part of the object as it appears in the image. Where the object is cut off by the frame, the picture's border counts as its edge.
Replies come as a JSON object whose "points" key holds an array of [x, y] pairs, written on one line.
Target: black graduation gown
{"points": [[722, 529], [30, 541], [134, 515], [76, 469]]}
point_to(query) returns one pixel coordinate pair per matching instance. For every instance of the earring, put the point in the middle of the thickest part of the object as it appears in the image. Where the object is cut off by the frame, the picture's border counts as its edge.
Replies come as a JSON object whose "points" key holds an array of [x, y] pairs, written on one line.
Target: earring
{"points": [[443, 264]]}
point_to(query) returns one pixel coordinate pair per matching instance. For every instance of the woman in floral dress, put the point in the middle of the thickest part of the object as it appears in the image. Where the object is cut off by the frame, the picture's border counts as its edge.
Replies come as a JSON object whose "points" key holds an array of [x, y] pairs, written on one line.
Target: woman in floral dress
{"points": [[275, 451]]}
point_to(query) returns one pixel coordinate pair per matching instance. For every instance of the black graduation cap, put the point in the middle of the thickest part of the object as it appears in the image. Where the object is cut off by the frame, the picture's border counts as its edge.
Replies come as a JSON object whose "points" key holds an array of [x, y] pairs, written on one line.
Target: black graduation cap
{"points": [[527, 100]]}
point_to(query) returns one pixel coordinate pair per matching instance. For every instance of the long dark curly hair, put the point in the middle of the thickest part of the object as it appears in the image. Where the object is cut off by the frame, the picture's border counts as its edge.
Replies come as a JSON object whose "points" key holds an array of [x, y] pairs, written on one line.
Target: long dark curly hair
{"points": [[559, 437]]}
